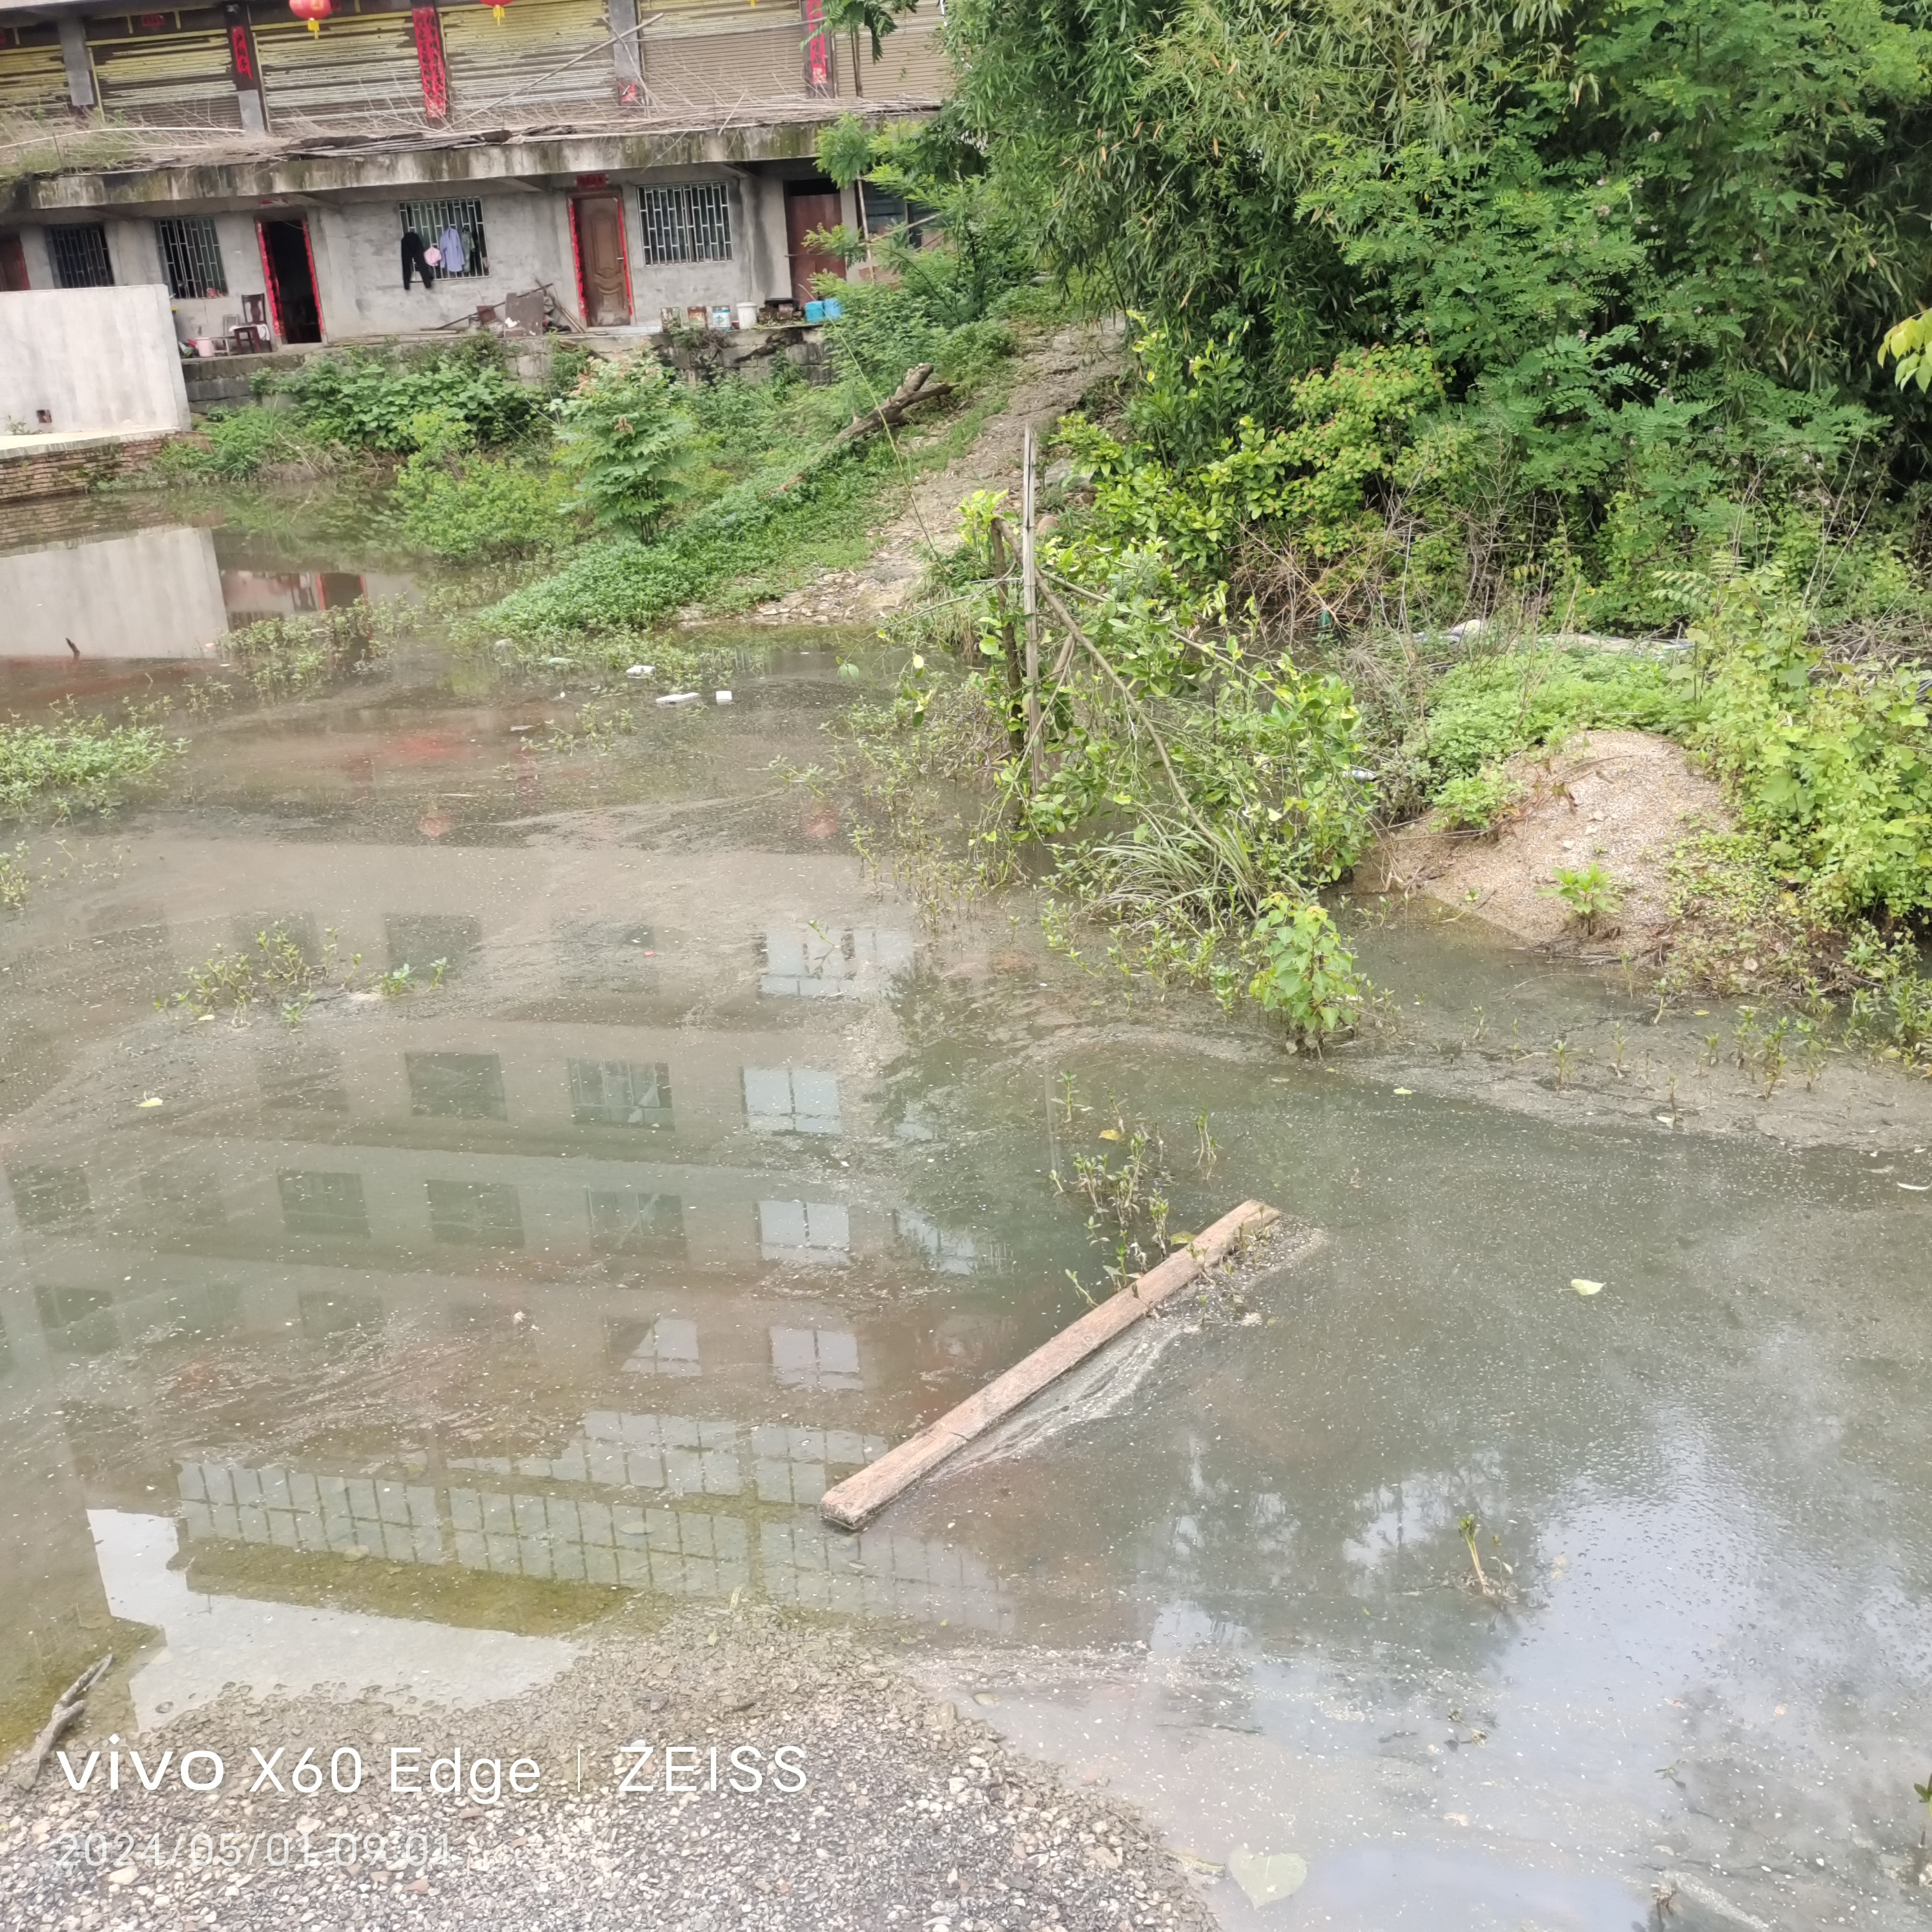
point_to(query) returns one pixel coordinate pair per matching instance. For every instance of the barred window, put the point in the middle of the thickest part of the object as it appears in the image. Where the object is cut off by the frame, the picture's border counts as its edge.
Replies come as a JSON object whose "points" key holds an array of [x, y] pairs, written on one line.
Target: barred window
{"points": [[433, 220], [80, 256], [688, 224], [191, 258]]}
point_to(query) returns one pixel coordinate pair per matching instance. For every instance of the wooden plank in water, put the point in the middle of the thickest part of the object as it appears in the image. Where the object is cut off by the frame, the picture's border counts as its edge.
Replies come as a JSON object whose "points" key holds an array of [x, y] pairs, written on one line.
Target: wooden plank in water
{"points": [[861, 1496]]}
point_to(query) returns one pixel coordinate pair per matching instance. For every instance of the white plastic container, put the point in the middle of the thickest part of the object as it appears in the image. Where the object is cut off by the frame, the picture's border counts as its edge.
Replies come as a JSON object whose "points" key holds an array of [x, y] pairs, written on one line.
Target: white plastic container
{"points": [[748, 315]]}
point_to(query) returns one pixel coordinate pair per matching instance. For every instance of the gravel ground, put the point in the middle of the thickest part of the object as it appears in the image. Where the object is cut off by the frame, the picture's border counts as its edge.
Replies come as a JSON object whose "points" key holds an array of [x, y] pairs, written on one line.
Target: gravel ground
{"points": [[905, 1813]]}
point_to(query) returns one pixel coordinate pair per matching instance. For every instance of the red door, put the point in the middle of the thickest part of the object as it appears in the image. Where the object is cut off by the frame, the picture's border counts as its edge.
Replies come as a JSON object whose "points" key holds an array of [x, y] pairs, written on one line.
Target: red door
{"points": [[809, 209], [13, 263]]}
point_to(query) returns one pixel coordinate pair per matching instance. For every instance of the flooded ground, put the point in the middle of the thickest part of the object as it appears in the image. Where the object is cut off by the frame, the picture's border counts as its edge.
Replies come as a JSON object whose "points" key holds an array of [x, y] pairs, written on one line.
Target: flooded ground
{"points": [[384, 1341]]}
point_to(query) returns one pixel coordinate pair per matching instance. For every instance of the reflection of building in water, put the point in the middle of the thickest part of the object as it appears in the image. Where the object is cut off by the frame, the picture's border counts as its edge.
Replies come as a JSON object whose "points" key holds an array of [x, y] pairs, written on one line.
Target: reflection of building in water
{"points": [[808, 962], [594, 1537], [153, 593], [550, 1142], [248, 594], [213, 1640]]}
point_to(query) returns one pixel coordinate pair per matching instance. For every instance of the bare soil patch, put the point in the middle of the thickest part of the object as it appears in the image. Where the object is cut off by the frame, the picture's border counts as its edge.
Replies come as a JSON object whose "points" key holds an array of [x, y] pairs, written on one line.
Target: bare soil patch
{"points": [[1623, 800]]}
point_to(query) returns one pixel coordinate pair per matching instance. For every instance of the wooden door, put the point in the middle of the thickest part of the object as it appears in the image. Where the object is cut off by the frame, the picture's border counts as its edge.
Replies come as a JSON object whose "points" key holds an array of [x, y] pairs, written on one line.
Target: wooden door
{"points": [[603, 271], [806, 211], [12, 263]]}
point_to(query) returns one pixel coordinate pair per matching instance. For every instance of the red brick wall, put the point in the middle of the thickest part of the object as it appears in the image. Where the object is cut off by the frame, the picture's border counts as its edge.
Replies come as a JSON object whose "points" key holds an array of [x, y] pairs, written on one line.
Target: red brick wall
{"points": [[70, 471]]}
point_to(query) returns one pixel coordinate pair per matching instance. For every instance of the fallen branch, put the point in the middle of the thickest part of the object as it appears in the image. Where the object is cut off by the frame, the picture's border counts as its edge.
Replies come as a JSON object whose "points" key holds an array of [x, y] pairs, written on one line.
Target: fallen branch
{"points": [[68, 1707], [889, 414], [861, 1496]]}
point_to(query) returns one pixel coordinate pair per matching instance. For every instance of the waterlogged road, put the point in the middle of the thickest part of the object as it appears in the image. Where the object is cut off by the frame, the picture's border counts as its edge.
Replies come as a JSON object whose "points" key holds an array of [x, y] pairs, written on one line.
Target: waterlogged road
{"points": [[369, 1342]]}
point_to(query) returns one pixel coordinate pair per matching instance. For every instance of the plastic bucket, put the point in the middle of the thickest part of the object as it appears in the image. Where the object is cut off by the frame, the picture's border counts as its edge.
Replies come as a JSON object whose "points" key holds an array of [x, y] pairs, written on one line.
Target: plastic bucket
{"points": [[748, 315], [814, 311]]}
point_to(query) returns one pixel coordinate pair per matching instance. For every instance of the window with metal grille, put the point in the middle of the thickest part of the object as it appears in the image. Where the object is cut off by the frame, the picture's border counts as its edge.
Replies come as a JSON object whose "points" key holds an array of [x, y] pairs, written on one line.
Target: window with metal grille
{"points": [[191, 258], [688, 224], [434, 219], [80, 256]]}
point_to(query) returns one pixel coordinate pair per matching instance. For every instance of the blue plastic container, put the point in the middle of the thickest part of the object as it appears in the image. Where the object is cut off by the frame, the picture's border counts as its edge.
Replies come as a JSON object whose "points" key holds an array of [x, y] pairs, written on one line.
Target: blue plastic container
{"points": [[834, 308], [814, 311]]}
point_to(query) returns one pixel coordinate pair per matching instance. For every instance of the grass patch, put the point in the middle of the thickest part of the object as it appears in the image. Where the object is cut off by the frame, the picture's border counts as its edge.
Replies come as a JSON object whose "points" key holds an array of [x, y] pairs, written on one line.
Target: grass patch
{"points": [[1486, 709], [751, 545], [77, 764]]}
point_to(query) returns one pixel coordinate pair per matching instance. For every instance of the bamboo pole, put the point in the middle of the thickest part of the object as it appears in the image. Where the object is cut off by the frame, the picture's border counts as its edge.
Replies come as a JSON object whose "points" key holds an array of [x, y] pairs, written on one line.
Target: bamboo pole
{"points": [[1030, 603], [861, 1496]]}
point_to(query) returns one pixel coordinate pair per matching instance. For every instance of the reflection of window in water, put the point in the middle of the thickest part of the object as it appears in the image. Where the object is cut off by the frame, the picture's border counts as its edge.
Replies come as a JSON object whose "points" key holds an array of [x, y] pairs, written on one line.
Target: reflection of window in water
{"points": [[791, 1100], [78, 1321], [48, 1197], [683, 1552], [632, 1223], [295, 1511], [324, 1313], [950, 1250], [418, 941], [798, 1465], [180, 1198], [815, 1358], [323, 1204], [464, 1086], [619, 1093], [818, 1233], [297, 928], [481, 1212], [603, 955], [809, 962], [879, 1572], [307, 1077], [669, 1348], [212, 1309]]}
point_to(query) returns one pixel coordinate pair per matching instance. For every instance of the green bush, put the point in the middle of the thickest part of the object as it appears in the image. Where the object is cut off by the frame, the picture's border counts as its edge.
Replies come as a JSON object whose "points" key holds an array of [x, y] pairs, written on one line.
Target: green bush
{"points": [[1475, 803], [1830, 764], [238, 445], [1307, 973], [1486, 708], [622, 437], [752, 539], [463, 508], [364, 400]]}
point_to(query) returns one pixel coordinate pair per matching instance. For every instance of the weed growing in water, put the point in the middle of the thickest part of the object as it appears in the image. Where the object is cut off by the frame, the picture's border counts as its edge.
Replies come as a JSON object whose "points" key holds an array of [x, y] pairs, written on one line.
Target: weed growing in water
{"points": [[76, 763], [1559, 1055], [275, 967]]}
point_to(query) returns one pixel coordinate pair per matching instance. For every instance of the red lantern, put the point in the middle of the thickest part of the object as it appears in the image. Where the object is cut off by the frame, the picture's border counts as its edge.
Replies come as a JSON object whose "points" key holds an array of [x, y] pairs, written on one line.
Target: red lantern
{"points": [[496, 7], [314, 11]]}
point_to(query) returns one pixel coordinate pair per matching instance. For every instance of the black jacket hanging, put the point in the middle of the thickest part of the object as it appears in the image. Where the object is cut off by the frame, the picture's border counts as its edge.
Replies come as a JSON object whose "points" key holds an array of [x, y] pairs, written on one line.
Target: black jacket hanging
{"points": [[413, 258]]}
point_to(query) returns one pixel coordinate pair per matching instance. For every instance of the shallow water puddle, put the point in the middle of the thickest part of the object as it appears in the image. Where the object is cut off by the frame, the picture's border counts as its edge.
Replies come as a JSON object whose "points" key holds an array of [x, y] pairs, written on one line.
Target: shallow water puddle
{"points": [[376, 1340]]}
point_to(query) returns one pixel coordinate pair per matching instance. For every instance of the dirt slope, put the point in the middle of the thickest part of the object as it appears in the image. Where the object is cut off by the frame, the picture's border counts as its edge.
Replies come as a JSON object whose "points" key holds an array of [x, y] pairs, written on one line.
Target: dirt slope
{"points": [[1622, 799]]}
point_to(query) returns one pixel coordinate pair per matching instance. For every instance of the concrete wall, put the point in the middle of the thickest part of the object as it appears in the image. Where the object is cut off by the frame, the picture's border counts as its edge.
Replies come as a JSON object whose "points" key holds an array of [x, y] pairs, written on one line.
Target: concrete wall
{"points": [[93, 359], [241, 264]]}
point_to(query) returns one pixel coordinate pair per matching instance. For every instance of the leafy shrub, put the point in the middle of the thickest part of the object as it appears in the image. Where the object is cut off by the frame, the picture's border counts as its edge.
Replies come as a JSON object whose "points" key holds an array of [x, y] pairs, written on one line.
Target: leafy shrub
{"points": [[453, 503], [1476, 802], [621, 438], [1830, 764], [363, 401], [1307, 974], [1590, 892]]}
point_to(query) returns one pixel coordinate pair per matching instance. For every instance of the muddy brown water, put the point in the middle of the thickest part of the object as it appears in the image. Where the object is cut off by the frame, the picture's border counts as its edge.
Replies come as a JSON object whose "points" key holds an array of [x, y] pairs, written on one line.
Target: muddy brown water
{"points": [[383, 1343]]}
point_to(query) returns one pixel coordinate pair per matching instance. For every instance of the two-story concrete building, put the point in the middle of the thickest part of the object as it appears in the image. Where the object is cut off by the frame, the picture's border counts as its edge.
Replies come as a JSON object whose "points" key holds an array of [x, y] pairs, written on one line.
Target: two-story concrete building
{"points": [[290, 174]]}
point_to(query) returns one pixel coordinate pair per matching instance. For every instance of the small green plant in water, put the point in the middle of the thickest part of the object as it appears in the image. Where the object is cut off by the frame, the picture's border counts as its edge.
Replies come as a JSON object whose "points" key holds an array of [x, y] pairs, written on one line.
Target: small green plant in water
{"points": [[1307, 973], [273, 967]]}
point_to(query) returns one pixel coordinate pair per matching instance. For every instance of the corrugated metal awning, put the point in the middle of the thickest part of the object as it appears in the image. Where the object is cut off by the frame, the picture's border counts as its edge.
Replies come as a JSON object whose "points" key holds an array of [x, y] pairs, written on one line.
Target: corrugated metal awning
{"points": [[362, 68], [913, 63], [708, 55], [541, 54], [167, 80], [33, 80]]}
